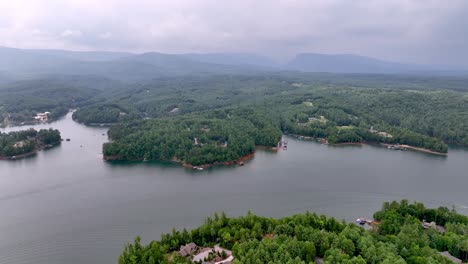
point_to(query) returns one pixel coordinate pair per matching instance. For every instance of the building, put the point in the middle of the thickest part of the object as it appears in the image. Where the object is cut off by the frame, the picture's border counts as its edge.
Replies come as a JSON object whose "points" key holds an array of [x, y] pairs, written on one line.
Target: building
{"points": [[216, 249], [432, 224], [384, 134], [188, 249], [42, 117], [450, 257]]}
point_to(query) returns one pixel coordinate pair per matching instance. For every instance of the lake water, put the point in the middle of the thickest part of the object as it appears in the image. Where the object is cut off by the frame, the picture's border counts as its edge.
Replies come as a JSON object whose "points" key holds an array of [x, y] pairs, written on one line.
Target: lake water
{"points": [[66, 205]]}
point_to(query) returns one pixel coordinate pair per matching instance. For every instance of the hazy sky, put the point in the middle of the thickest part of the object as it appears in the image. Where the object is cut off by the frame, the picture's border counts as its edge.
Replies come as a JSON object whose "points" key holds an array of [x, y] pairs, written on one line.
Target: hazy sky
{"points": [[423, 31]]}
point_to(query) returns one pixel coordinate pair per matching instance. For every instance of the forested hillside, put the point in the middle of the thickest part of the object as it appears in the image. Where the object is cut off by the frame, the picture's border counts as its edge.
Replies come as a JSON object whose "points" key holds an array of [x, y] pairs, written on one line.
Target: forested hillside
{"points": [[424, 118], [428, 113], [223, 136], [27, 141], [397, 236], [20, 101]]}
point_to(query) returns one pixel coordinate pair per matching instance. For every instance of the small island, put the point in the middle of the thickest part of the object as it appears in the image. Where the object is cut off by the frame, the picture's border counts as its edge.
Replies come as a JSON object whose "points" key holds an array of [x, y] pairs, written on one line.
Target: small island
{"points": [[20, 144]]}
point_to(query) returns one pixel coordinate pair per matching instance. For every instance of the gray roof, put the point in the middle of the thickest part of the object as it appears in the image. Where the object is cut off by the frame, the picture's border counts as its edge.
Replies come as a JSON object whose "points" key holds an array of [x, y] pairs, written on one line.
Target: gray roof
{"points": [[449, 256], [187, 249]]}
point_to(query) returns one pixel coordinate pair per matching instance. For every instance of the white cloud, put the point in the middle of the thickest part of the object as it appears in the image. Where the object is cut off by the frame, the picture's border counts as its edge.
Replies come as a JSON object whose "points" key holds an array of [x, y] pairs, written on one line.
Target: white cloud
{"points": [[105, 35], [70, 33], [411, 30]]}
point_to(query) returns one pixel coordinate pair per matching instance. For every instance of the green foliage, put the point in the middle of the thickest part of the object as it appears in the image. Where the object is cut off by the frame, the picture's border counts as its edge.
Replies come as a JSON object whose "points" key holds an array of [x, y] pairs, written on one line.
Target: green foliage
{"points": [[303, 237], [414, 111], [195, 140], [26, 141], [20, 101]]}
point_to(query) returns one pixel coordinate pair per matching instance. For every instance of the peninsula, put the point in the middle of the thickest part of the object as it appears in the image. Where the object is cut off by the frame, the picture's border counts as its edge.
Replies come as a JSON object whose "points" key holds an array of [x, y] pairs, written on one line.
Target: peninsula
{"points": [[20, 144]]}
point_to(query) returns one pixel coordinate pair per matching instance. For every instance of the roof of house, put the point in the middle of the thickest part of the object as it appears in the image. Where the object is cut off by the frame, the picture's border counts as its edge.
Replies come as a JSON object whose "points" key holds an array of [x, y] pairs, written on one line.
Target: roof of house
{"points": [[449, 256], [187, 249], [427, 225]]}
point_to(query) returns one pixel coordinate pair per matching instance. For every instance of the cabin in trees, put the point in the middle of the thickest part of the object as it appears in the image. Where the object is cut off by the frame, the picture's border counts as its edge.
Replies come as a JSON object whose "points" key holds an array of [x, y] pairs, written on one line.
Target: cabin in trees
{"points": [[380, 133], [188, 249], [450, 257], [427, 225], [42, 117], [215, 255]]}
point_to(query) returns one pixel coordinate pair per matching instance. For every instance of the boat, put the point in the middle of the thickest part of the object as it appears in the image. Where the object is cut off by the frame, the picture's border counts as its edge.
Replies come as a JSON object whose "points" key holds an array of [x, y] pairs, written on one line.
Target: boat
{"points": [[361, 221]]}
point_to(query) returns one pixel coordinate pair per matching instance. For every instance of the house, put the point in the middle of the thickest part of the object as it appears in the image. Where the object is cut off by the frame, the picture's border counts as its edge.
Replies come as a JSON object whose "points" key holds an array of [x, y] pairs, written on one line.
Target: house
{"points": [[188, 249], [380, 133], [42, 117], [217, 249], [432, 224], [450, 257], [384, 134]]}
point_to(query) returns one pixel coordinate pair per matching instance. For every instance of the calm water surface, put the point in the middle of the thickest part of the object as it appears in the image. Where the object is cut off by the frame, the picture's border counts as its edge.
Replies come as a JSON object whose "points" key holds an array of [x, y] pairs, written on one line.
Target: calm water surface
{"points": [[66, 205]]}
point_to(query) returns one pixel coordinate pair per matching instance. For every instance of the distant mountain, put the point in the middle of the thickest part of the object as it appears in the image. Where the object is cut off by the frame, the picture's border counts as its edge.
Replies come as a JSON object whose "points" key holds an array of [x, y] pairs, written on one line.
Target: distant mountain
{"points": [[183, 64], [84, 55], [346, 63], [122, 66], [232, 59], [18, 61], [18, 64]]}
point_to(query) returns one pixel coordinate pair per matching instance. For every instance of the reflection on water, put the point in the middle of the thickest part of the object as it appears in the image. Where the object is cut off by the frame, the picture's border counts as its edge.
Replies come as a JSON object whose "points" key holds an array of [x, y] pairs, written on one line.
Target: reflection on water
{"points": [[66, 205]]}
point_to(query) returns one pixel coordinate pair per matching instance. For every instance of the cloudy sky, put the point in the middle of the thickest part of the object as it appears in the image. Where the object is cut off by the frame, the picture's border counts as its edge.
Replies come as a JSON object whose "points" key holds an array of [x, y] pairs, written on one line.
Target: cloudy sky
{"points": [[421, 31]]}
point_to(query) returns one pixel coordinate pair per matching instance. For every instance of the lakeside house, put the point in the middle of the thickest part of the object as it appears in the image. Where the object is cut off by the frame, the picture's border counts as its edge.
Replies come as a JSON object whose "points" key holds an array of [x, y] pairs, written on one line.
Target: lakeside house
{"points": [[19, 144], [450, 257], [187, 250], [384, 134], [380, 133], [201, 255], [427, 225], [42, 117], [204, 254], [174, 110]]}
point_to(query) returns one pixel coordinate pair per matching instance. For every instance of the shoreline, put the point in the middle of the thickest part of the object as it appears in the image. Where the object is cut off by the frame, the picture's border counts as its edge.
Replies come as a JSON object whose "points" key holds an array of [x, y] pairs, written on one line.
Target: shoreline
{"points": [[423, 150], [29, 154], [386, 145], [239, 162]]}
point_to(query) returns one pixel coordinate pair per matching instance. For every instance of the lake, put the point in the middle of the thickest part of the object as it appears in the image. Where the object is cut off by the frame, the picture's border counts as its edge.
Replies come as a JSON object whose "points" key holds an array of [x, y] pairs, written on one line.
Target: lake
{"points": [[66, 205]]}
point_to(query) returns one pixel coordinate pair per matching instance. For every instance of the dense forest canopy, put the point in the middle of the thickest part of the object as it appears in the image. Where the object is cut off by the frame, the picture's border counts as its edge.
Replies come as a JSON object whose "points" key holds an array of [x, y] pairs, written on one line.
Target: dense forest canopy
{"points": [[425, 118], [416, 111], [397, 236], [27, 141]]}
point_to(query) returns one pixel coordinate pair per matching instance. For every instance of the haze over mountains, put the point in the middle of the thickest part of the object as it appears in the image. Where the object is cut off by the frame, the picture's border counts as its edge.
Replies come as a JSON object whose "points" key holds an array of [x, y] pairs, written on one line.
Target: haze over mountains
{"points": [[20, 63]]}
